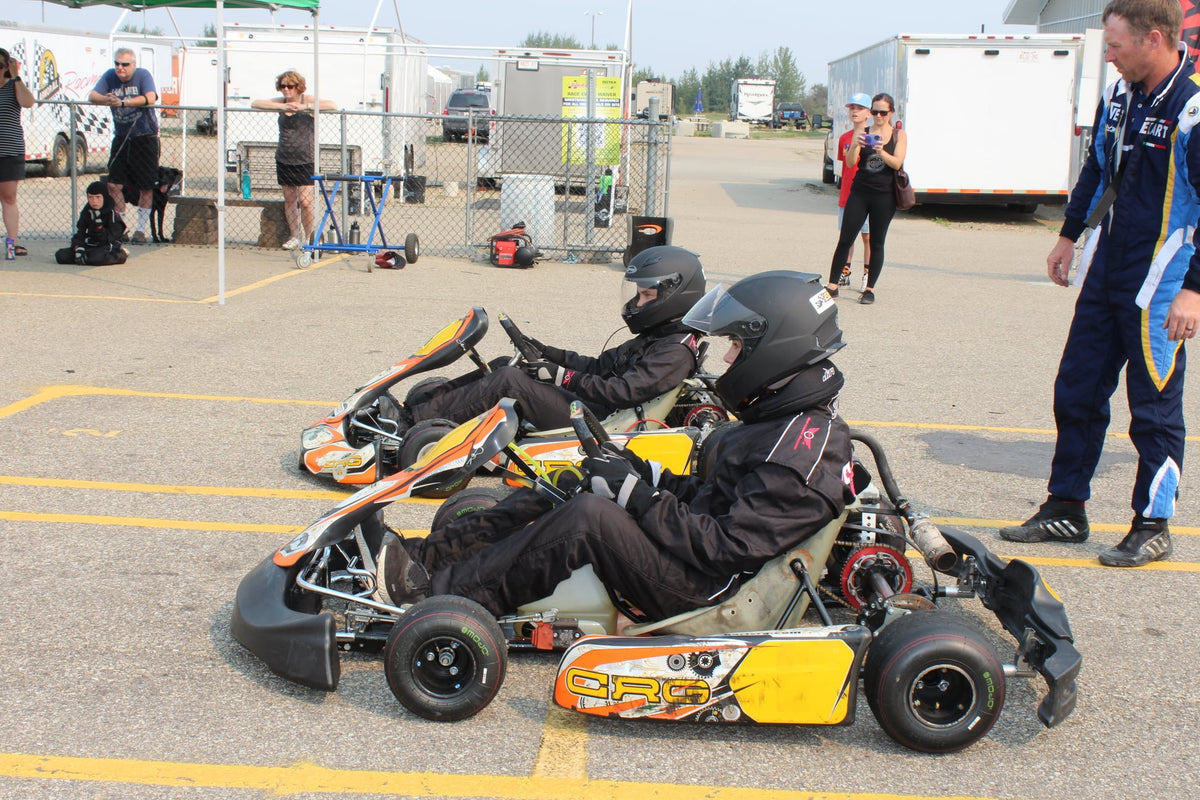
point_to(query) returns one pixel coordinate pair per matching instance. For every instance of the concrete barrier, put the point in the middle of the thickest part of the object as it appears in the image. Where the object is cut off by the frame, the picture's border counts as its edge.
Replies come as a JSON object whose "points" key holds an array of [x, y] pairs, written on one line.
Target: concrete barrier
{"points": [[685, 128], [730, 130]]}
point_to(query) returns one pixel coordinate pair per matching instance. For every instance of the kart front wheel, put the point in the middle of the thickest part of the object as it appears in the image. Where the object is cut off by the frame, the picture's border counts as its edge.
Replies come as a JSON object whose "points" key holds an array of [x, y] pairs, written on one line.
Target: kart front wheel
{"points": [[933, 682], [417, 442], [467, 502], [445, 659]]}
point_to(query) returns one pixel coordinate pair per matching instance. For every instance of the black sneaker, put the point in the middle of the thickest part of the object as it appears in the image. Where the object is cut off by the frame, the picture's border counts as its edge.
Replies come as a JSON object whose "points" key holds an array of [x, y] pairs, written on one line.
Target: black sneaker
{"points": [[832, 292], [399, 580], [844, 280], [1148, 540], [1055, 521], [867, 298]]}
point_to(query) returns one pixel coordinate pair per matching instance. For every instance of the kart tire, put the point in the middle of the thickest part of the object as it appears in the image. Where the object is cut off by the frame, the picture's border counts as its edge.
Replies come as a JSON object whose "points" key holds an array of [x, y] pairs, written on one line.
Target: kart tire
{"points": [[446, 658], [933, 682], [412, 248], [417, 441], [704, 453], [467, 502], [422, 387]]}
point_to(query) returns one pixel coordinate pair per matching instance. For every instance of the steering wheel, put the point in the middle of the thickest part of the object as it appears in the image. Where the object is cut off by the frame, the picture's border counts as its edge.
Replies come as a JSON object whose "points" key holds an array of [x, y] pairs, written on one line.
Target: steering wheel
{"points": [[524, 348], [588, 428]]}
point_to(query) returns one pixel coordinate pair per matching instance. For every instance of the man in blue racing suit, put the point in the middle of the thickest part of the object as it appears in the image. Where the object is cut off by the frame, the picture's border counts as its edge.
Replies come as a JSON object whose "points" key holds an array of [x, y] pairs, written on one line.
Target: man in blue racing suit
{"points": [[1140, 284]]}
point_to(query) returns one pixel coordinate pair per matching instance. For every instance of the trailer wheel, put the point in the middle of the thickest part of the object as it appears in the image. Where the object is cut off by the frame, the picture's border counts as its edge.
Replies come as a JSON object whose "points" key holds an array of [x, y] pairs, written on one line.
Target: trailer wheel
{"points": [[827, 174], [60, 158], [445, 659], [934, 683], [412, 248]]}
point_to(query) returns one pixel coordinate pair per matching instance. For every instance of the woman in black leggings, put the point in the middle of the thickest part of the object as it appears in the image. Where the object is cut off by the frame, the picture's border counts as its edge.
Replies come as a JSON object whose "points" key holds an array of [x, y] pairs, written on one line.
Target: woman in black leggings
{"points": [[873, 194]]}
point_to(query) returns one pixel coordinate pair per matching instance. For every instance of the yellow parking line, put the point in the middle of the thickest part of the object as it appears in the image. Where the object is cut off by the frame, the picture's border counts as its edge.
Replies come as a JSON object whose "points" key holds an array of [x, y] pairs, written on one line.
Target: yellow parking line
{"points": [[168, 524], [313, 779], [1103, 527], [154, 488]]}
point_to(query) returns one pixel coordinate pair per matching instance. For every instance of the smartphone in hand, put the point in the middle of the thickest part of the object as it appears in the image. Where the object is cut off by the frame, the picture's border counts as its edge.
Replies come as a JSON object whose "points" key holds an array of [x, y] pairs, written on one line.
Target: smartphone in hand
{"points": [[871, 139]]}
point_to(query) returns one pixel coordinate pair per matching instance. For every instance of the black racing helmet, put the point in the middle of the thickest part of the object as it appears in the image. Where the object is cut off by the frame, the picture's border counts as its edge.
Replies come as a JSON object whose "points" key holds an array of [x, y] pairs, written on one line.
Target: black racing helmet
{"points": [[677, 275], [785, 321]]}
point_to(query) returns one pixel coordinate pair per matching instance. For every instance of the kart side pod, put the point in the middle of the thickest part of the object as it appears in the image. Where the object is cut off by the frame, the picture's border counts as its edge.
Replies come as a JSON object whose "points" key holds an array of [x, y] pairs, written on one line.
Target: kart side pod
{"points": [[806, 676]]}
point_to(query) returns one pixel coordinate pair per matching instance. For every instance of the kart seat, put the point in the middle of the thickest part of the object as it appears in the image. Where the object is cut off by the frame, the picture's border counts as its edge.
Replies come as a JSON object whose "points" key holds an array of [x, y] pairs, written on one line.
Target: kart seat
{"points": [[624, 419], [761, 600]]}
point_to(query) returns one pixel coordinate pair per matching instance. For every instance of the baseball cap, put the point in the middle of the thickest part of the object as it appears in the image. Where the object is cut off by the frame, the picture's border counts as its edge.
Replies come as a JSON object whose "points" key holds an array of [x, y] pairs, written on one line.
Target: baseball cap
{"points": [[859, 99]]}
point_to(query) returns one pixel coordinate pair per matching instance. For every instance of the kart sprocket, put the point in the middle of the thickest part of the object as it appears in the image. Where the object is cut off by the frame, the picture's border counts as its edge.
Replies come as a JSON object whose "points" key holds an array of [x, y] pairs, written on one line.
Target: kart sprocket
{"points": [[863, 564]]}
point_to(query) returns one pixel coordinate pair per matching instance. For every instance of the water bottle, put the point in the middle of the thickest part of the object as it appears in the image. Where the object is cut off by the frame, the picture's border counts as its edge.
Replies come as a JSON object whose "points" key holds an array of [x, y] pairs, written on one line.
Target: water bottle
{"points": [[245, 183], [355, 232], [10, 249]]}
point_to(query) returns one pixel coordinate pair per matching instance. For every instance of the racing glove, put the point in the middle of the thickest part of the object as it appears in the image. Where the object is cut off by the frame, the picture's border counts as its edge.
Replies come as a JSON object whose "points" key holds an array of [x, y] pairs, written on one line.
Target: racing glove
{"points": [[546, 372], [80, 256], [613, 477], [649, 471]]}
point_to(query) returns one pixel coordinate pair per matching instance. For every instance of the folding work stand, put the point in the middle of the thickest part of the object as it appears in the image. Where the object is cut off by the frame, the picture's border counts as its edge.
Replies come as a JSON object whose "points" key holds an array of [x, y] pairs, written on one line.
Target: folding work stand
{"points": [[412, 245]]}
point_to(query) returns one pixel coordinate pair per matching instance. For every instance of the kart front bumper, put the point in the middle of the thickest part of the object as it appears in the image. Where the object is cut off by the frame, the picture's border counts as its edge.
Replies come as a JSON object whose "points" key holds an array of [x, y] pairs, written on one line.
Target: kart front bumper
{"points": [[301, 647], [1028, 610]]}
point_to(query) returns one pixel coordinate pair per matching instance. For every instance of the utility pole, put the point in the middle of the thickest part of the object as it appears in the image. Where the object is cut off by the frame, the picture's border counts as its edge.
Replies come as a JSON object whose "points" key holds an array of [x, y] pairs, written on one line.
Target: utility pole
{"points": [[593, 15]]}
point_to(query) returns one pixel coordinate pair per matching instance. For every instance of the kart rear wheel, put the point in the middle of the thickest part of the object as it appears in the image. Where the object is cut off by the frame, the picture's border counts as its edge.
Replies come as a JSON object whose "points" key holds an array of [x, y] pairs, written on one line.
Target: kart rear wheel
{"points": [[445, 659], [417, 441], [933, 682], [466, 502], [419, 391]]}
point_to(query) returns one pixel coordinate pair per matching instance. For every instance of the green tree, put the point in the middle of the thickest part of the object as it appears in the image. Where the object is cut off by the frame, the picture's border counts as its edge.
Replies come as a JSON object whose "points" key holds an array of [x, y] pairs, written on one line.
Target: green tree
{"points": [[685, 92], [482, 75], [790, 85], [210, 37], [544, 40], [817, 101], [141, 31]]}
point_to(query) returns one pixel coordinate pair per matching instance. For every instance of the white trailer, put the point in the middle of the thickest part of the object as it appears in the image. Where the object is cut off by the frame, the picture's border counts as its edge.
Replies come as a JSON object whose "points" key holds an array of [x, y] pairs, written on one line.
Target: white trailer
{"points": [[361, 69], [665, 92], [991, 119], [752, 100], [64, 65]]}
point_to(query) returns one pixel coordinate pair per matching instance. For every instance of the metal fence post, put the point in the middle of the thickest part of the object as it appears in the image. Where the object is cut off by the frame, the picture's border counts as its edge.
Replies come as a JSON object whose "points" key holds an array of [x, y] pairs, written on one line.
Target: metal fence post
{"points": [[74, 128], [652, 167]]}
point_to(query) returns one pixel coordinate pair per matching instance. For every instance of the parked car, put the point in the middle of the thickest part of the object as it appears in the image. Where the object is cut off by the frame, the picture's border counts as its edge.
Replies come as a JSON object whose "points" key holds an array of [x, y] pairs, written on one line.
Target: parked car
{"points": [[467, 104], [790, 114]]}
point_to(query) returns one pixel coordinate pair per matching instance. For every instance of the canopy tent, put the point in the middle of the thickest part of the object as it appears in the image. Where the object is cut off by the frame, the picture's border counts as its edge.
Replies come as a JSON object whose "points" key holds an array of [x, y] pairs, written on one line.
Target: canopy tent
{"points": [[220, 6]]}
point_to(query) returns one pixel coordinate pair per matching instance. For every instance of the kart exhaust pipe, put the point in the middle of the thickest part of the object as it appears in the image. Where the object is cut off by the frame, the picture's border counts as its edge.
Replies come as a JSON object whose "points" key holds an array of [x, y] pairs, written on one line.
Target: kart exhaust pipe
{"points": [[938, 553]]}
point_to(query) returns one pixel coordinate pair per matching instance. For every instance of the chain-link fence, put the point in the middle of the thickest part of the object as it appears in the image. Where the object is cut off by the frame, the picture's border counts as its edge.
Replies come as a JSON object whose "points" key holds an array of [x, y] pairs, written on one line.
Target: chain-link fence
{"points": [[455, 181]]}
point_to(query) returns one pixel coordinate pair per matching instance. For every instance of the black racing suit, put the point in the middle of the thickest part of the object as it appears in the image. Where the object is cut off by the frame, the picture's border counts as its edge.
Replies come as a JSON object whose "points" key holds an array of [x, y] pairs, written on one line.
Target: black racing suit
{"points": [[775, 480], [650, 364]]}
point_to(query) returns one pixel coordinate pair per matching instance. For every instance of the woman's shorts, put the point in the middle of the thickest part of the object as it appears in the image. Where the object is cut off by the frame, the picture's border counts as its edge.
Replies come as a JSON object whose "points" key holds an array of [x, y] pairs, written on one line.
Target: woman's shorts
{"points": [[12, 168], [294, 174], [866, 228]]}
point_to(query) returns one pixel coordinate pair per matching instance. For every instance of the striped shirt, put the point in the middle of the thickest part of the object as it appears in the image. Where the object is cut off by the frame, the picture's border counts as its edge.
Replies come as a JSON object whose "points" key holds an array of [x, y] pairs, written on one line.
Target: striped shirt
{"points": [[12, 136]]}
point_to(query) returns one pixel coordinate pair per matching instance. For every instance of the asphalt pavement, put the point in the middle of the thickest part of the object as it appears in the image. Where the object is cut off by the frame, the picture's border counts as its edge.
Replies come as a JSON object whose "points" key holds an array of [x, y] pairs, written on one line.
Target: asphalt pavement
{"points": [[148, 442]]}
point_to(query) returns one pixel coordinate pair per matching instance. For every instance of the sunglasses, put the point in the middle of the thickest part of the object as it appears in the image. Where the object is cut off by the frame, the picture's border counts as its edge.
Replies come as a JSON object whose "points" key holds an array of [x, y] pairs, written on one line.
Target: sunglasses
{"points": [[122, 63], [880, 112], [289, 86]]}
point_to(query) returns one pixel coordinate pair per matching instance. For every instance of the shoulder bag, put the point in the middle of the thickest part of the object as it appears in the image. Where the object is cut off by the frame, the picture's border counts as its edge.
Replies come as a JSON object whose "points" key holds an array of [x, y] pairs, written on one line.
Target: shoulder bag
{"points": [[905, 196]]}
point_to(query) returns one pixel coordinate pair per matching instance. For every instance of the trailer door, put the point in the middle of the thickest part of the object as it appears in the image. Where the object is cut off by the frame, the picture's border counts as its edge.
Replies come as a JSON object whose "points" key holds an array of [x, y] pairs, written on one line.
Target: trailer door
{"points": [[990, 117]]}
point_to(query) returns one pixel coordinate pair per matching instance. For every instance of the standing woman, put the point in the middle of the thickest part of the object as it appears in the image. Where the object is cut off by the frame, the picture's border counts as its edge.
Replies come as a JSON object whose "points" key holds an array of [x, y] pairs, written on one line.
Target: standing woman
{"points": [[14, 96], [873, 195], [294, 154]]}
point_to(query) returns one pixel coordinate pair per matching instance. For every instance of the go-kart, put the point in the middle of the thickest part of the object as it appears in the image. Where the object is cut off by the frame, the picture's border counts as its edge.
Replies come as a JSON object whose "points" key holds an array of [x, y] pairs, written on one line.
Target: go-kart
{"points": [[362, 441], [933, 681]]}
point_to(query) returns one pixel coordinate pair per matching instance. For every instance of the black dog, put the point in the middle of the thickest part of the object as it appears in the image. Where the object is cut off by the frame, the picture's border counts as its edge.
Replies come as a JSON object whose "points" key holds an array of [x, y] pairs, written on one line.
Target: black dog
{"points": [[167, 183]]}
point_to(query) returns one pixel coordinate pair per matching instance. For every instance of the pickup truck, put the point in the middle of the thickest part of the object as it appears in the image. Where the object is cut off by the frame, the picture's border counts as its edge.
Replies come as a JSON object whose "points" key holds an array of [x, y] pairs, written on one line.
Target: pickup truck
{"points": [[790, 114]]}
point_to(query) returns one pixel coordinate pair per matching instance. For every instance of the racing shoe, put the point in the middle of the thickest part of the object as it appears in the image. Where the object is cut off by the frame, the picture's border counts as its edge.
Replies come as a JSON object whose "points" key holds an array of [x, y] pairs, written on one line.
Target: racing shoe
{"points": [[1056, 521], [399, 579], [1148, 540]]}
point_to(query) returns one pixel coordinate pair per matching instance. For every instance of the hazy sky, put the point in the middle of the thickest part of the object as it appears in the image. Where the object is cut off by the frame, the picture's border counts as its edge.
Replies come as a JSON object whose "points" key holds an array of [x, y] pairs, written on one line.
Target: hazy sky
{"points": [[669, 36]]}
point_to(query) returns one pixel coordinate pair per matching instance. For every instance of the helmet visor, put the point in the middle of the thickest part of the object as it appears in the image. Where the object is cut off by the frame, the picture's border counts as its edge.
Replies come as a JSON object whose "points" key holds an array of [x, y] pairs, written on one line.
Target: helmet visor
{"points": [[719, 313], [631, 287]]}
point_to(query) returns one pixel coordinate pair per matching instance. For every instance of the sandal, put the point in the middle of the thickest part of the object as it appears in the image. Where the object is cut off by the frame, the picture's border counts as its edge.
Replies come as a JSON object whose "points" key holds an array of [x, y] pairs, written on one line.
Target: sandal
{"points": [[19, 250]]}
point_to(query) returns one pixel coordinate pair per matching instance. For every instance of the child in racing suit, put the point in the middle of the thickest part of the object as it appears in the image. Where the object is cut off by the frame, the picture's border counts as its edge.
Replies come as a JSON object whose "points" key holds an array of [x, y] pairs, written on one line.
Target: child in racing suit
{"points": [[97, 239], [668, 280], [664, 543]]}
